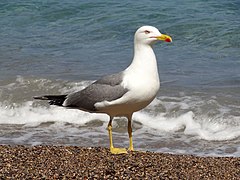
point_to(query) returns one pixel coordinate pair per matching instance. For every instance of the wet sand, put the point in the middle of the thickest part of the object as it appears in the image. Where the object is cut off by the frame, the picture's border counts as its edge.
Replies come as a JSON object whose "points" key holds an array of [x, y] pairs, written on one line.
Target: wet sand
{"points": [[71, 162]]}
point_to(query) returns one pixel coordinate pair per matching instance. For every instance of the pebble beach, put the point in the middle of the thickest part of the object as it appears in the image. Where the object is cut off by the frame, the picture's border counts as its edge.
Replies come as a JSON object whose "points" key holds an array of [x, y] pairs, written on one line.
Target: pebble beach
{"points": [[72, 162], [190, 131]]}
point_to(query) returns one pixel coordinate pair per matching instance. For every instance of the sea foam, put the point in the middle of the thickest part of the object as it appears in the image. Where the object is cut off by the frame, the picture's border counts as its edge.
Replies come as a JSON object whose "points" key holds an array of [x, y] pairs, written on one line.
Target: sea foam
{"points": [[30, 114]]}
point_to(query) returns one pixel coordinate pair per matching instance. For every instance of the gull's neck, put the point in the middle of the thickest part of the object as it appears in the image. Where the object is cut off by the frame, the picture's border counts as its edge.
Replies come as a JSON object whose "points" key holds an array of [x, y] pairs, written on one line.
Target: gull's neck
{"points": [[144, 60]]}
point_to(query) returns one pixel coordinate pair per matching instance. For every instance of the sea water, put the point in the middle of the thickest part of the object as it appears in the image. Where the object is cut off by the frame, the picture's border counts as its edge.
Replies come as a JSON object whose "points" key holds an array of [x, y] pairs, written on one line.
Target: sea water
{"points": [[59, 47]]}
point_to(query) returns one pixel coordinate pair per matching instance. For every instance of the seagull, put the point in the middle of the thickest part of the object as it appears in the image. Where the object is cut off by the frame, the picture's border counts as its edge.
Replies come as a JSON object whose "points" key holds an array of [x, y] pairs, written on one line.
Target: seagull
{"points": [[123, 93]]}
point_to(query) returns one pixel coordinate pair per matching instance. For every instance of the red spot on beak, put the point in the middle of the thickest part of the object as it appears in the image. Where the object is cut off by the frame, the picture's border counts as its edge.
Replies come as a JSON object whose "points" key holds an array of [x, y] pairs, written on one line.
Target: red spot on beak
{"points": [[168, 40]]}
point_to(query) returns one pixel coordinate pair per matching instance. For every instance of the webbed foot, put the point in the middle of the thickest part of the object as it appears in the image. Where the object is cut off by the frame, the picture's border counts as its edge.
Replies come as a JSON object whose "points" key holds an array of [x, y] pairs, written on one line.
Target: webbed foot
{"points": [[118, 150]]}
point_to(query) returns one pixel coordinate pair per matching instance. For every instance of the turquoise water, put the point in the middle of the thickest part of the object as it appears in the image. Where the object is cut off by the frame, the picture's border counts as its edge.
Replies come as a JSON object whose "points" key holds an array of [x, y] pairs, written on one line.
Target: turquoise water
{"points": [[59, 46], [73, 40]]}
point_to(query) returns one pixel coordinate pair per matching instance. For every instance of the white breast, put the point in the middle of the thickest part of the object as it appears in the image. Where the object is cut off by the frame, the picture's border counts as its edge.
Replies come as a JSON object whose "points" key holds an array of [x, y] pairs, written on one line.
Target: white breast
{"points": [[141, 77]]}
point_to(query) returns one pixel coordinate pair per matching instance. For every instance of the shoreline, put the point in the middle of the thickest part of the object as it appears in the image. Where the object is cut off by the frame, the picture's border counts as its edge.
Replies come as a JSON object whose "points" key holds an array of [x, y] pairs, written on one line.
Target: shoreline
{"points": [[68, 162]]}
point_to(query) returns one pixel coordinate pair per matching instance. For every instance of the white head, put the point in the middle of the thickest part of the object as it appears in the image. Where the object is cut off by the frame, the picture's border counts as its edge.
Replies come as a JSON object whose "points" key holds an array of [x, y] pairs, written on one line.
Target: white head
{"points": [[149, 35]]}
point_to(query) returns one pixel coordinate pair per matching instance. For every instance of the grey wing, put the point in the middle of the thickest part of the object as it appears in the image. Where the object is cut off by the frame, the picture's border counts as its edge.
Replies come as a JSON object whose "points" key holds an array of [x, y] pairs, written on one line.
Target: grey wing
{"points": [[112, 80], [105, 89]]}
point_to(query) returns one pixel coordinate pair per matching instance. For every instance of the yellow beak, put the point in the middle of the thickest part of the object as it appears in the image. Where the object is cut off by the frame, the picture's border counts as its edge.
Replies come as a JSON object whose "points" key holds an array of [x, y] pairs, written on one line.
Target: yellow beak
{"points": [[164, 37]]}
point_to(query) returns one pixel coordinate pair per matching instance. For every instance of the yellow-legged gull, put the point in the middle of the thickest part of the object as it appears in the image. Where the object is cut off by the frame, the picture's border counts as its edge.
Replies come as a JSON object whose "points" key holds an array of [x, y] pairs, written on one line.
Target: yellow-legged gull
{"points": [[123, 93]]}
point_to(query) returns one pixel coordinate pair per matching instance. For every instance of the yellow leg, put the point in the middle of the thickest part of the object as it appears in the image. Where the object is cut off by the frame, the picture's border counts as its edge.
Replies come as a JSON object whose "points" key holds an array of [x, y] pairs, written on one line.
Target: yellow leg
{"points": [[130, 133], [112, 148]]}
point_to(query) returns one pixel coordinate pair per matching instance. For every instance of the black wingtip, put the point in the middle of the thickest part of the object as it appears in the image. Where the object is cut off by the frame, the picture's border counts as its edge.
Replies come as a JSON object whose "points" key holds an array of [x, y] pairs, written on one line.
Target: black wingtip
{"points": [[53, 99]]}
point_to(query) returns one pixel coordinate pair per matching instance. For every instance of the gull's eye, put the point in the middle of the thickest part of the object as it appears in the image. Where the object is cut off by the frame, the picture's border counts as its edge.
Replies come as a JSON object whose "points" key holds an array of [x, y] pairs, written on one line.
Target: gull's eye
{"points": [[146, 32]]}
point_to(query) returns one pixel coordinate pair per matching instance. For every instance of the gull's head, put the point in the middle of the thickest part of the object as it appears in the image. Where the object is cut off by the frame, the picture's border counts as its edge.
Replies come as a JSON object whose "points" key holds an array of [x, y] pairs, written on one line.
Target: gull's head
{"points": [[149, 35]]}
